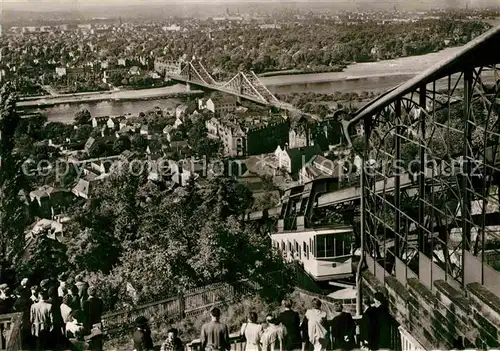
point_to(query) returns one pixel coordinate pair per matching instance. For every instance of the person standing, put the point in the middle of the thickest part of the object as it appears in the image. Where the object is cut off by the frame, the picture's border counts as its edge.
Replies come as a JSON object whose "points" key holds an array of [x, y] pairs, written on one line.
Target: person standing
{"points": [[42, 321], [273, 337], [252, 332], [382, 323], [291, 321], [6, 300], [367, 324], [92, 310], [342, 329], [214, 334], [61, 290], [142, 335], [35, 290], [95, 340], [172, 343], [317, 326], [55, 301]]}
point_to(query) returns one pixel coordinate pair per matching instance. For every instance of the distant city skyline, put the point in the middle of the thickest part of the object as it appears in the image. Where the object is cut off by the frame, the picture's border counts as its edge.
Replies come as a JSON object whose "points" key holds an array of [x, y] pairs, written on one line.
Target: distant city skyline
{"points": [[56, 4], [157, 9]]}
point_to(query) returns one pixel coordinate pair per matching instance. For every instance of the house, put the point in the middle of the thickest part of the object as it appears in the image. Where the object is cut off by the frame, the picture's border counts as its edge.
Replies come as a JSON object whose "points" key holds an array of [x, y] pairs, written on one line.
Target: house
{"points": [[124, 131], [320, 167], [49, 201], [168, 130], [292, 160], [102, 167], [113, 123], [264, 137], [181, 111], [231, 135], [86, 184], [178, 149], [177, 123], [99, 121], [134, 70], [144, 130], [92, 143], [60, 71], [297, 138], [179, 145], [218, 104], [53, 230]]}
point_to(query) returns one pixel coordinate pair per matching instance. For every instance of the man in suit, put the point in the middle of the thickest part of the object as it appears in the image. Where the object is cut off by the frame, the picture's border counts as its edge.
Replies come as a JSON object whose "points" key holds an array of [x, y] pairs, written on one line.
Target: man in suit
{"points": [[367, 338], [291, 321], [92, 309], [342, 329], [42, 321], [214, 334]]}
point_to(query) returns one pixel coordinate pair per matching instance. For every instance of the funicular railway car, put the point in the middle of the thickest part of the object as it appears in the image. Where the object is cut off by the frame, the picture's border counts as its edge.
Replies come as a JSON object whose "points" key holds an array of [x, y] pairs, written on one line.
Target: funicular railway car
{"points": [[325, 254], [322, 247]]}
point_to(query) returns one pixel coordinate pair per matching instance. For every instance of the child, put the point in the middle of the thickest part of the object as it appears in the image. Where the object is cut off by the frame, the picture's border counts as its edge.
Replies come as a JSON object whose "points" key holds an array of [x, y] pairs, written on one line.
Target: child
{"points": [[172, 343]]}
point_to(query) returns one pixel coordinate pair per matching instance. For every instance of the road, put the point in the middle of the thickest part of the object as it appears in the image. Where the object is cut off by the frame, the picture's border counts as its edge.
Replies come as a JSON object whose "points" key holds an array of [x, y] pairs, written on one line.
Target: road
{"points": [[107, 95]]}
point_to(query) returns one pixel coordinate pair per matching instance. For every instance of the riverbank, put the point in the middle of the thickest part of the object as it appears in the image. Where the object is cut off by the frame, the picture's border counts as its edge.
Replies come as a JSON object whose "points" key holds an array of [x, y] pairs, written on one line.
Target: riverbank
{"points": [[122, 95], [291, 72], [405, 67]]}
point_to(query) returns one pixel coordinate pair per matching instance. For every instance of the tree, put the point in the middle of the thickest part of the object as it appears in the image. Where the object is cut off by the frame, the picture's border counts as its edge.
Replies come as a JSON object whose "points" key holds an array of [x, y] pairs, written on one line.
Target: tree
{"points": [[45, 257], [12, 180], [201, 144], [81, 134], [139, 142], [162, 243], [83, 117], [57, 132], [121, 144]]}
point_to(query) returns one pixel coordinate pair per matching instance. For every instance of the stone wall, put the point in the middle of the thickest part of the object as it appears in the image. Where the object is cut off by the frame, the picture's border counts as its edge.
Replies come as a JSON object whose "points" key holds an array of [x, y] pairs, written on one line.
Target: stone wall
{"points": [[439, 317]]}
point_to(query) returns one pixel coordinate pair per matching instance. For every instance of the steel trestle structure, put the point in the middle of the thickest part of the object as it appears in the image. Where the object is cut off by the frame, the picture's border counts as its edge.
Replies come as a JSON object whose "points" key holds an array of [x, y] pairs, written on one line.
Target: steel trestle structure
{"points": [[440, 131]]}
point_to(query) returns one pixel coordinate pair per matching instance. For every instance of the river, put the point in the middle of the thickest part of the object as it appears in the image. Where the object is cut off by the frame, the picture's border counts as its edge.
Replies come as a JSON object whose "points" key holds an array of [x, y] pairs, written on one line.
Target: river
{"points": [[374, 76]]}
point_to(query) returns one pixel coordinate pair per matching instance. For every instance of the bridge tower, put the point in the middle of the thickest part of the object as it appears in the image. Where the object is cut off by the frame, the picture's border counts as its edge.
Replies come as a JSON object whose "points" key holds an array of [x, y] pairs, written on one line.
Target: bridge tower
{"points": [[190, 76], [240, 88]]}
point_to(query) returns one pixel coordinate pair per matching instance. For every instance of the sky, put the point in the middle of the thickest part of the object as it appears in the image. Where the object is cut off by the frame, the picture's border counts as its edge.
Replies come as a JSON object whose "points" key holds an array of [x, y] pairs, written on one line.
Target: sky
{"points": [[34, 5]]}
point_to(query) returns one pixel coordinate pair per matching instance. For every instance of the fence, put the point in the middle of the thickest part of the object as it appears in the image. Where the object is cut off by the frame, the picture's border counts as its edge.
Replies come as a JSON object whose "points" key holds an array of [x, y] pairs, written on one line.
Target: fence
{"points": [[10, 331], [192, 302]]}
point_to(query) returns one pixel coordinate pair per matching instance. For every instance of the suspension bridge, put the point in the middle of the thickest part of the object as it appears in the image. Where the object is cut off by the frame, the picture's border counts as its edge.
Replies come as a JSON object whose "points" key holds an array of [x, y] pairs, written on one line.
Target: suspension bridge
{"points": [[245, 86]]}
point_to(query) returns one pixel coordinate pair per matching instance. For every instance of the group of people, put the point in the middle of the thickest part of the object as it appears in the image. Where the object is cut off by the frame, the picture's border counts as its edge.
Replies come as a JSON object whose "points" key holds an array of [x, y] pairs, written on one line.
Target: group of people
{"points": [[287, 331], [54, 311]]}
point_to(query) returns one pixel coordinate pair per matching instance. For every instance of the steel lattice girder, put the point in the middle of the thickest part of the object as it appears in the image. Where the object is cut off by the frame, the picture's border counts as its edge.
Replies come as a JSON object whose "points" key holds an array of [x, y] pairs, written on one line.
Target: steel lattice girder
{"points": [[443, 127]]}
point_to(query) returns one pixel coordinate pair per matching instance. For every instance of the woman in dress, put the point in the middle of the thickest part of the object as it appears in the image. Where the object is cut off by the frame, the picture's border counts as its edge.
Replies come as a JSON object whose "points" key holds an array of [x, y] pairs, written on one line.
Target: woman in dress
{"points": [[252, 331]]}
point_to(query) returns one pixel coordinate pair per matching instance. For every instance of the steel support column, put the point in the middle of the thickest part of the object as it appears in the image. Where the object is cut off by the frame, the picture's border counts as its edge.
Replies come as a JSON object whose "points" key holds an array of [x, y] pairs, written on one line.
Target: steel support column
{"points": [[421, 176], [363, 218], [397, 182], [466, 169]]}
